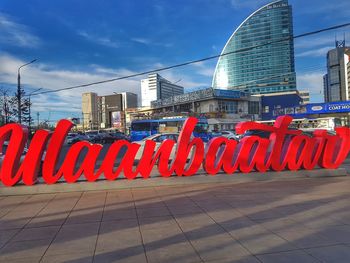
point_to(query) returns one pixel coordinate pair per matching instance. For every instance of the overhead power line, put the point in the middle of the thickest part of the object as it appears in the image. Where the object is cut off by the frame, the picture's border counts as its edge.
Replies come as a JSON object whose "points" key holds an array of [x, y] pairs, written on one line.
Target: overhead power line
{"points": [[196, 61]]}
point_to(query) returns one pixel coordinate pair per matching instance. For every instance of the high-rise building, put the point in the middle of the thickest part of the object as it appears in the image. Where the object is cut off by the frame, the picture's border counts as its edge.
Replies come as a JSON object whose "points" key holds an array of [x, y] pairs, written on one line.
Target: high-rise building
{"points": [[336, 84], [156, 87], [348, 71], [129, 100], [260, 53], [90, 111], [325, 87]]}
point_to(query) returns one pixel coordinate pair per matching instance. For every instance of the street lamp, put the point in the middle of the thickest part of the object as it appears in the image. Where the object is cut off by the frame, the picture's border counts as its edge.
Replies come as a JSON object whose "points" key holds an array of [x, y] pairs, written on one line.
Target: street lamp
{"points": [[30, 114], [19, 92]]}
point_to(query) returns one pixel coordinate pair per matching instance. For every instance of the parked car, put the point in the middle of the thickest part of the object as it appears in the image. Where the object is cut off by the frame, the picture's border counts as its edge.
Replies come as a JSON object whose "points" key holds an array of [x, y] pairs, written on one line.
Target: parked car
{"points": [[103, 138], [230, 135], [71, 137], [76, 138], [91, 135], [266, 134], [120, 136], [158, 138], [259, 133]]}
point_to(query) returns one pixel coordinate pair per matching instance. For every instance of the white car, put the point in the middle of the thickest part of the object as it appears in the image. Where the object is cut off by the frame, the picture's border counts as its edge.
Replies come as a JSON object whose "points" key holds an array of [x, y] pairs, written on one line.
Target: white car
{"points": [[230, 135]]}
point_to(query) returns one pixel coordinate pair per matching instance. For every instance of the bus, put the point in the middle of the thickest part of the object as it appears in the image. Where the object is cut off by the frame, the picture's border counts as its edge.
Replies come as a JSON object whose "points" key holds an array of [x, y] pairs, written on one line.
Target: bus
{"points": [[141, 129], [325, 123]]}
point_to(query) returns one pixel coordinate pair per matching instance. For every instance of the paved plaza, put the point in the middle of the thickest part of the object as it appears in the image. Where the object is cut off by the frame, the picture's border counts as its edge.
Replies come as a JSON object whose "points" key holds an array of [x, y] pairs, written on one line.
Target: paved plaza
{"points": [[298, 220]]}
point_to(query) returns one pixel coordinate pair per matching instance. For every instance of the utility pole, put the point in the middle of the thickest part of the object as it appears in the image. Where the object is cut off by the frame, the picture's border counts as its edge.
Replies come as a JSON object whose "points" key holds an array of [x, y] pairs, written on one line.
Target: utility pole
{"points": [[37, 115], [82, 115], [19, 91]]}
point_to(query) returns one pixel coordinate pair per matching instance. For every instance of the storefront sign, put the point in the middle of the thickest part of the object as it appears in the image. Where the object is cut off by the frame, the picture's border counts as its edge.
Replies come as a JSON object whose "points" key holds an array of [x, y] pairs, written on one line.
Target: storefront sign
{"points": [[285, 149], [314, 108]]}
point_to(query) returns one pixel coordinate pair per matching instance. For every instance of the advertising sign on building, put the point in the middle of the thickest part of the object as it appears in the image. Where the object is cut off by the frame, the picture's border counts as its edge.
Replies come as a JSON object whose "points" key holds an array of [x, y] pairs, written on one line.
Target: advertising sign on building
{"points": [[116, 119], [314, 108]]}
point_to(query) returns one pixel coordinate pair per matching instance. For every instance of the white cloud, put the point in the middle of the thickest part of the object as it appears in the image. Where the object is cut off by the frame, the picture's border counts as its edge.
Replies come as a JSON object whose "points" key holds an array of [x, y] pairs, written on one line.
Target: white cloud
{"points": [[316, 52], [312, 82], [49, 77], [104, 41], [147, 41], [204, 68], [16, 34], [141, 40], [314, 41], [251, 4]]}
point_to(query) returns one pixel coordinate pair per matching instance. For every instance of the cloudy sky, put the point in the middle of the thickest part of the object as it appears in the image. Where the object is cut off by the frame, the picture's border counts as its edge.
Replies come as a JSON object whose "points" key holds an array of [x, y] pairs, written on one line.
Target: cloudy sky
{"points": [[82, 41]]}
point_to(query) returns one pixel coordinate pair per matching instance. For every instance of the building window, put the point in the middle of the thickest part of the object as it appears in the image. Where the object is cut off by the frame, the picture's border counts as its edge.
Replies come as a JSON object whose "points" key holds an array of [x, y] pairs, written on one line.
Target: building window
{"points": [[253, 107], [211, 108], [228, 106]]}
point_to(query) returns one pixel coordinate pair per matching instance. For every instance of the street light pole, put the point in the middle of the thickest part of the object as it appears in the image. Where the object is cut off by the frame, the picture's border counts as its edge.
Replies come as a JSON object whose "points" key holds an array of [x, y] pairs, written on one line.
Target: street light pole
{"points": [[19, 91]]}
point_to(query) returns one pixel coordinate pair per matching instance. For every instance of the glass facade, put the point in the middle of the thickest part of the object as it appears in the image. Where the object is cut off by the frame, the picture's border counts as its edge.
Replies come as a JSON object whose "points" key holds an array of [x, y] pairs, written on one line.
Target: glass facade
{"points": [[336, 86], [267, 67]]}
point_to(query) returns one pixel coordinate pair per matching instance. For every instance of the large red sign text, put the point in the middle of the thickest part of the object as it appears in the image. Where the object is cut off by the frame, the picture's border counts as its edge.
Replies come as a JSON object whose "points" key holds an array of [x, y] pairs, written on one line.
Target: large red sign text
{"points": [[285, 149]]}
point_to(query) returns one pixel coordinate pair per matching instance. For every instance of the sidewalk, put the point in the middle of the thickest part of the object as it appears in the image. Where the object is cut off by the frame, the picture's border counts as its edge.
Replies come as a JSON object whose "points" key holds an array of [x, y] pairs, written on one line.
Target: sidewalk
{"points": [[299, 220]]}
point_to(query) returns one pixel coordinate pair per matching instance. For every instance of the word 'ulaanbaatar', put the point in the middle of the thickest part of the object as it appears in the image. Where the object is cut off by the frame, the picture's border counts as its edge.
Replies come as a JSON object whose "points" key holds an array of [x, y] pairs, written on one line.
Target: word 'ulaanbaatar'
{"points": [[285, 149]]}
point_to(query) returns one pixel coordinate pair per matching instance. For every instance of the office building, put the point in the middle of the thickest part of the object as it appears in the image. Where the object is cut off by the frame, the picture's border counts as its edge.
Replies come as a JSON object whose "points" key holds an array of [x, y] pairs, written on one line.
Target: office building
{"points": [[129, 100], [260, 53], [348, 72], [336, 83], [156, 87], [90, 111]]}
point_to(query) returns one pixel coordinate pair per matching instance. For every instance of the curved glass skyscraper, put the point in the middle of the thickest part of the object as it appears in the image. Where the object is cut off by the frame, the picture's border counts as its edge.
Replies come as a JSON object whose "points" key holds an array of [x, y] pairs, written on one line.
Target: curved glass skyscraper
{"points": [[262, 58]]}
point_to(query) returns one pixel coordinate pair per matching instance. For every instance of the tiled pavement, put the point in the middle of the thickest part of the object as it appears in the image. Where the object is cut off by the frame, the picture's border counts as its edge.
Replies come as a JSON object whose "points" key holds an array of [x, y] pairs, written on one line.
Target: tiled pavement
{"points": [[301, 220]]}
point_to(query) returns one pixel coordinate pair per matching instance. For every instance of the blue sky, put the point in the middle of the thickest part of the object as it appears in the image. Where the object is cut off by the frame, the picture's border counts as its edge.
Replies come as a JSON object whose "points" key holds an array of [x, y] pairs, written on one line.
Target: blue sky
{"points": [[81, 41]]}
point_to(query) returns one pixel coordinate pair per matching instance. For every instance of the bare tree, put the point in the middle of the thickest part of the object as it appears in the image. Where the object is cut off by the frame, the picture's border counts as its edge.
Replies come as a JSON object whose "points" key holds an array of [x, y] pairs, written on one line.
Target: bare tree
{"points": [[4, 105]]}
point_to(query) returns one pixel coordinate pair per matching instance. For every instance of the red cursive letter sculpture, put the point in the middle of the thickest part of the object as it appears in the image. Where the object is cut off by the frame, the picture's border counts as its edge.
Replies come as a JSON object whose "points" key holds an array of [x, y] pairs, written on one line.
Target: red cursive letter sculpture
{"points": [[284, 149]]}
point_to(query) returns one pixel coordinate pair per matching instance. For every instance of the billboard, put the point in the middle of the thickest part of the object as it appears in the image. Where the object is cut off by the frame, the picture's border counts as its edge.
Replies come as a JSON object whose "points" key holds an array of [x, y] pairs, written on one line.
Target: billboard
{"points": [[232, 94], [116, 119]]}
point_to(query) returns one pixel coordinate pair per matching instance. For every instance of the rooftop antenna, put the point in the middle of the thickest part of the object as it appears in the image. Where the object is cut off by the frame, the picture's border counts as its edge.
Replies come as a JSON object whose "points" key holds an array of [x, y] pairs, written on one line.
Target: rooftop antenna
{"points": [[340, 43]]}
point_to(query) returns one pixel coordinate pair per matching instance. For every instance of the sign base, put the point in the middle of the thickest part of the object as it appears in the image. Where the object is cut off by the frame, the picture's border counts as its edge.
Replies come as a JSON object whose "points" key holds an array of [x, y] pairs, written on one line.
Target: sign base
{"points": [[157, 180]]}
